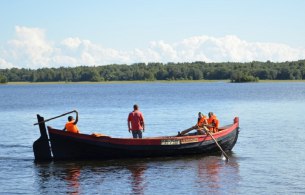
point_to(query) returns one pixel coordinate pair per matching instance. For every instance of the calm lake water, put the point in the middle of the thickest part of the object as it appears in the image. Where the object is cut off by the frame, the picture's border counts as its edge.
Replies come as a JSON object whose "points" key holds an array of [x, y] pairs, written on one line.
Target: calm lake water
{"points": [[269, 157]]}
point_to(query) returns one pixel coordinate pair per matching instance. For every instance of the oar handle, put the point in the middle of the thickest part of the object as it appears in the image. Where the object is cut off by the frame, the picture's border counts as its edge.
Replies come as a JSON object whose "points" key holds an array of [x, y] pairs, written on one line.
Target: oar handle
{"points": [[55, 117]]}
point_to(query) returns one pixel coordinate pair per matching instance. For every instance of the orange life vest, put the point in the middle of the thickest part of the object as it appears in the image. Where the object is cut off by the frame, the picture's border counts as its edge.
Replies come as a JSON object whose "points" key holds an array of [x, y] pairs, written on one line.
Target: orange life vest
{"points": [[214, 122], [202, 121], [71, 127]]}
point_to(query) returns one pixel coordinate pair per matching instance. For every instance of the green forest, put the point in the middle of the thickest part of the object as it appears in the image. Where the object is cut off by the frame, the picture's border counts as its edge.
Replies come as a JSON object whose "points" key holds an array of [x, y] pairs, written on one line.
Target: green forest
{"points": [[235, 72]]}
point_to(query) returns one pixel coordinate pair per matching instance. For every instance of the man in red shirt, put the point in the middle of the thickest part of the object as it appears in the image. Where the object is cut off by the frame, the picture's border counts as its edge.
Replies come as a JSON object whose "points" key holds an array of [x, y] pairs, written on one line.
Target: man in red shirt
{"points": [[135, 122]]}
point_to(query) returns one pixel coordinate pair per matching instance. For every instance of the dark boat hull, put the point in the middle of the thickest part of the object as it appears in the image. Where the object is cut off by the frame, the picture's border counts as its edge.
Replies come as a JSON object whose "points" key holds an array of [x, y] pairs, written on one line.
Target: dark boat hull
{"points": [[65, 145]]}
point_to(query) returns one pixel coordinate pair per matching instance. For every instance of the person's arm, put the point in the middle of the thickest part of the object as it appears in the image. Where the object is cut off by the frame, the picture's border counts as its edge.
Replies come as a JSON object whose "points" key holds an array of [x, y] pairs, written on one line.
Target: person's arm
{"points": [[214, 123], [209, 125], [128, 123], [64, 129], [76, 120], [142, 121]]}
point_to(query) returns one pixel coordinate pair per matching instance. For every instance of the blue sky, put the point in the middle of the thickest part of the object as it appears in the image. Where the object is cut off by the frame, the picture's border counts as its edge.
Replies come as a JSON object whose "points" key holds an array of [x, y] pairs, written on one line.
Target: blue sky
{"points": [[36, 34]]}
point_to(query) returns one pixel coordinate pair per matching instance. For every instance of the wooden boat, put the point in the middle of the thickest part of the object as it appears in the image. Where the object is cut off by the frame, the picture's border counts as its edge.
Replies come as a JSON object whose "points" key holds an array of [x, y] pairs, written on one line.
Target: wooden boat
{"points": [[55, 144]]}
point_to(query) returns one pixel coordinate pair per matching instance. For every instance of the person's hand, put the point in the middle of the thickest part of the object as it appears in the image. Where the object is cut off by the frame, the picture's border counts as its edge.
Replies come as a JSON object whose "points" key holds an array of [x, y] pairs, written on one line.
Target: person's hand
{"points": [[143, 129], [129, 130]]}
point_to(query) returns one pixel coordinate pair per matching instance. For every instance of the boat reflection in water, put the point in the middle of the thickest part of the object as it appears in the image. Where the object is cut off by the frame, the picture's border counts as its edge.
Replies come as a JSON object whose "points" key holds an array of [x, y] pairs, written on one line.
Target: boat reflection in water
{"points": [[137, 178], [72, 178], [191, 174]]}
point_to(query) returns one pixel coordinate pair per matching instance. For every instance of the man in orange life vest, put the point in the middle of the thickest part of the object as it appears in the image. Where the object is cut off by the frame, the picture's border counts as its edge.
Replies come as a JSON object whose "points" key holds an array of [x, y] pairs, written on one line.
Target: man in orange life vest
{"points": [[213, 122], [202, 120], [71, 124]]}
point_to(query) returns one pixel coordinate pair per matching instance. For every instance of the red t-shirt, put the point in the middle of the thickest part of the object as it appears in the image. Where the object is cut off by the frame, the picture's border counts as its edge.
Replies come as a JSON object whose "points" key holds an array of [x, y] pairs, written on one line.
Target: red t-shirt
{"points": [[136, 118]]}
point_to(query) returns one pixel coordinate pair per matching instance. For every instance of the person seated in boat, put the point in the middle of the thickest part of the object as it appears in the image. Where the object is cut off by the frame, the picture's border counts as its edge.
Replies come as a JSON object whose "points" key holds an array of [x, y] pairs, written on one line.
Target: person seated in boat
{"points": [[213, 122], [201, 122], [71, 124]]}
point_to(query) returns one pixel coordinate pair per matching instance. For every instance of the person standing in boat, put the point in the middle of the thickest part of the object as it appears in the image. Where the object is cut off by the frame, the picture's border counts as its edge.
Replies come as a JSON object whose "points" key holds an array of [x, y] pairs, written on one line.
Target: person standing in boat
{"points": [[135, 122], [71, 124]]}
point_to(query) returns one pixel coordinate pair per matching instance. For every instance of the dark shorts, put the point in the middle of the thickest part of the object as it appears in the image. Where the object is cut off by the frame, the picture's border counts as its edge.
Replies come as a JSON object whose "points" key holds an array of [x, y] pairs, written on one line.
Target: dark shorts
{"points": [[136, 133]]}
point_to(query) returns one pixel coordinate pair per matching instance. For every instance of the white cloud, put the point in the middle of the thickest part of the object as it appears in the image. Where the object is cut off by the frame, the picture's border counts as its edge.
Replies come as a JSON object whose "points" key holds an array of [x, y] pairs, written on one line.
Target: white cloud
{"points": [[30, 48], [61, 60], [165, 50], [72, 43], [4, 64], [231, 48]]}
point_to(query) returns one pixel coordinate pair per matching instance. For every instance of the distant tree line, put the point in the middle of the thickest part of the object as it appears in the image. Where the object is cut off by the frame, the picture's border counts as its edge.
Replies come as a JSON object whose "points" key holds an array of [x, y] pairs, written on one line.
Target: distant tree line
{"points": [[236, 72]]}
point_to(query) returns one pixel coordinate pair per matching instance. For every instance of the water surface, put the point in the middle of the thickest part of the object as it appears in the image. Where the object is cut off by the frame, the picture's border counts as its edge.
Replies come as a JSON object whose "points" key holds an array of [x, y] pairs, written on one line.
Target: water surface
{"points": [[267, 159]]}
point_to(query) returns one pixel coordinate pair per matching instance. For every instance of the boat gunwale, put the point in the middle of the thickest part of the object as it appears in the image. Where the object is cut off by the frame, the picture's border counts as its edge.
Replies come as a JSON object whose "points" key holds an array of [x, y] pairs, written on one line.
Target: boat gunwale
{"points": [[144, 141]]}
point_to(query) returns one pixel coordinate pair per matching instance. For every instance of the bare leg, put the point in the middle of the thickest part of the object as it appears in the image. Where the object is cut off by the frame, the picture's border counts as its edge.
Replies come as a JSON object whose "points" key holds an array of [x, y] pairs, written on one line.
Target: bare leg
{"points": [[200, 132], [187, 130]]}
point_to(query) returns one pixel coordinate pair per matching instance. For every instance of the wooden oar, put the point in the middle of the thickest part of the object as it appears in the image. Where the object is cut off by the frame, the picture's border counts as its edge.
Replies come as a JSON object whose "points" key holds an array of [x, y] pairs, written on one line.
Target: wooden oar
{"points": [[55, 117], [223, 152]]}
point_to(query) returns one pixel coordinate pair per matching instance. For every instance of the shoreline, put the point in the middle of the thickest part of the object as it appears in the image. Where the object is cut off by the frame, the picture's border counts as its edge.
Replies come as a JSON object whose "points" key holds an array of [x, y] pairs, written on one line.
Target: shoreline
{"points": [[142, 82], [115, 82]]}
